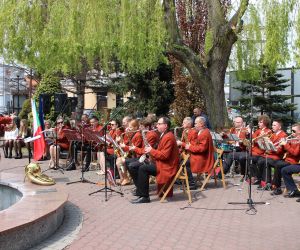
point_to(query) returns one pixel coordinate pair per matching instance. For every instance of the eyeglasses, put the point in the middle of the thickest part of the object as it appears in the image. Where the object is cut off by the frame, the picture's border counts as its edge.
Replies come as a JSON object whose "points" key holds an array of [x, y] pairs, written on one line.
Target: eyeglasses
{"points": [[59, 122], [113, 124]]}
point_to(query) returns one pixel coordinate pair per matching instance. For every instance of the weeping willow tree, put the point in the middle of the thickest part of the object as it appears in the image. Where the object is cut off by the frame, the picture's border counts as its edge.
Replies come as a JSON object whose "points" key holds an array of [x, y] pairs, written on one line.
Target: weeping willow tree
{"points": [[72, 36]]}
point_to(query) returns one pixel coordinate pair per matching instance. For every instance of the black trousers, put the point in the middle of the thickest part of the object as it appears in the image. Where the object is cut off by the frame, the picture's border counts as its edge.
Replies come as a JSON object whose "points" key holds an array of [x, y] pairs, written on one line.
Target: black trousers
{"points": [[245, 161], [264, 168], [189, 173], [278, 166], [133, 165], [140, 175]]}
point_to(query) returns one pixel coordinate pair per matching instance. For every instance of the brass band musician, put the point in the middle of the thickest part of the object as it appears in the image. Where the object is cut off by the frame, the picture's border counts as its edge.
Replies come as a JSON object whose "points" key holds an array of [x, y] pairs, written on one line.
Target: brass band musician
{"points": [[242, 133], [288, 164], [270, 157], [188, 135], [165, 165], [201, 148]]}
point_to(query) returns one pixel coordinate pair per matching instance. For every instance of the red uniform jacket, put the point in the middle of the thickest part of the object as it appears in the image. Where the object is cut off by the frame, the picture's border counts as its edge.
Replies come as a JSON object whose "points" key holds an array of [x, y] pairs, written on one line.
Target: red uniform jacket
{"points": [[293, 152], [166, 157], [241, 133], [202, 152], [256, 151], [136, 141], [152, 138], [62, 140], [192, 134], [278, 154], [113, 133]]}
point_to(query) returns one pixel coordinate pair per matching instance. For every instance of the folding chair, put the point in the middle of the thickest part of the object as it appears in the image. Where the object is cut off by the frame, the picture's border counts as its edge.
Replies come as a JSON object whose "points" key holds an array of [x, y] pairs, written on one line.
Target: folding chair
{"points": [[183, 177], [218, 163]]}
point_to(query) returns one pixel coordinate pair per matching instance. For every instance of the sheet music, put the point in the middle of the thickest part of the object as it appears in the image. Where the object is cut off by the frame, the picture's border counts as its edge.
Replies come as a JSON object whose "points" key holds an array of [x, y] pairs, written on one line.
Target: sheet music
{"points": [[216, 136]]}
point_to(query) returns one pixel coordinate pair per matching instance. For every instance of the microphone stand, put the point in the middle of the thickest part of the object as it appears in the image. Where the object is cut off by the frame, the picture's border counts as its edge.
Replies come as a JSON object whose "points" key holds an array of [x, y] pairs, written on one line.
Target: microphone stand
{"points": [[105, 189], [249, 163]]}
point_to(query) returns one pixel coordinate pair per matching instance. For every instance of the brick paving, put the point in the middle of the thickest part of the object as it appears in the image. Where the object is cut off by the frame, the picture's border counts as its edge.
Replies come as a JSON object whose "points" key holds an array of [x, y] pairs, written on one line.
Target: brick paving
{"points": [[209, 223]]}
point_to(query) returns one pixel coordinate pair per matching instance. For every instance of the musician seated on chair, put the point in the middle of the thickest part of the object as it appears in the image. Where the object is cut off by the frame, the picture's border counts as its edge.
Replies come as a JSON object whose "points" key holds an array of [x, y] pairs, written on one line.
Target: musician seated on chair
{"points": [[164, 167], [201, 148], [269, 157], [60, 143], [150, 137], [187, 135], [241, 133], [289, 164], [257, 152]]}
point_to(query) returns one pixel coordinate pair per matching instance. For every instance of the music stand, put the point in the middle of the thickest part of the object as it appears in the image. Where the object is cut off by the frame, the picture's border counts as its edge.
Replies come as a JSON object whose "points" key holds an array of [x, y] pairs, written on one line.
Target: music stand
{"points": [[73, 135], [30, 139], [104, 129]]}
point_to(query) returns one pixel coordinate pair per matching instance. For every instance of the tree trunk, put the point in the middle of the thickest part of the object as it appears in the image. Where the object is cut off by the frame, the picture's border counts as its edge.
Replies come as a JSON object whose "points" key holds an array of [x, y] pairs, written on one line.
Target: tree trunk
{"points": [[210, 77], [80, 87]]}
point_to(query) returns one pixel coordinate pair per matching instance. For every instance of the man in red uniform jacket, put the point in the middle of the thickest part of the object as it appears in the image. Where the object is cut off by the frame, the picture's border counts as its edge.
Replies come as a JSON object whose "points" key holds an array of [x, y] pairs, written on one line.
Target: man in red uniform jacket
{"points": [[269, 157], [166, 158], [201, 148]]}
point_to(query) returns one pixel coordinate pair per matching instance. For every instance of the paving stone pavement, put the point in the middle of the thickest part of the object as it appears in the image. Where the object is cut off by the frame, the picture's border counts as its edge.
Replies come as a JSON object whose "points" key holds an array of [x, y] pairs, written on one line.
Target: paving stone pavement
{"points": [[209, 223]]}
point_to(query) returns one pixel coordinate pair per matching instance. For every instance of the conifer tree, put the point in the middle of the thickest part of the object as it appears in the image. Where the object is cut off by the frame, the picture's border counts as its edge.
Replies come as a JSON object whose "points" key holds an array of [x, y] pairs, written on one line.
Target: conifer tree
{"points": [[266, 95]]}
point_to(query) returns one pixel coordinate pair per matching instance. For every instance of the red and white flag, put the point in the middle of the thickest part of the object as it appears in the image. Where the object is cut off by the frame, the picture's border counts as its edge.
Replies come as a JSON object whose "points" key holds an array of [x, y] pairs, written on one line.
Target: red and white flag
{"points": [[38, 144]]}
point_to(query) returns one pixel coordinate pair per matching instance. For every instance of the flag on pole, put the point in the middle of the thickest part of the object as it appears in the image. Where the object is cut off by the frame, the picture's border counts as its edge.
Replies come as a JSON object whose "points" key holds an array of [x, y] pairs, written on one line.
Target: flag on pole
{"points": [[39, 144]]}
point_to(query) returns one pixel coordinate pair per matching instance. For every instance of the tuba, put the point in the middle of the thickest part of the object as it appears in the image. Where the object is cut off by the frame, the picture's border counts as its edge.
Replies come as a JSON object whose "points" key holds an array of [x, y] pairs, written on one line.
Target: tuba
{"points": [[33, 173]]}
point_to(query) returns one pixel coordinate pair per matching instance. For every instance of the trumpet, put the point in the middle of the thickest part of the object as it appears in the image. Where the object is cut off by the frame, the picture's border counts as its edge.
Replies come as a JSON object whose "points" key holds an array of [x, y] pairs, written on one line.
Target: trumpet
{"points": [[118, 150], [285, 140]]}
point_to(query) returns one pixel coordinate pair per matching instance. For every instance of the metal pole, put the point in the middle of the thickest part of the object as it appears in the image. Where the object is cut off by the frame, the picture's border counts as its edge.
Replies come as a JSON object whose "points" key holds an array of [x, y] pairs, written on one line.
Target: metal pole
{"points": [[18, 91]]}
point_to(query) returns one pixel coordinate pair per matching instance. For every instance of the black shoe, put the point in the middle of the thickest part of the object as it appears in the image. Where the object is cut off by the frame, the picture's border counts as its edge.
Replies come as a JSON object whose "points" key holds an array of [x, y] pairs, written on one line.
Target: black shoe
{"points": [[292, 194], [141, 200], [193, 187], [298, 200], [277, 191], [10, 156], [71, 167]]}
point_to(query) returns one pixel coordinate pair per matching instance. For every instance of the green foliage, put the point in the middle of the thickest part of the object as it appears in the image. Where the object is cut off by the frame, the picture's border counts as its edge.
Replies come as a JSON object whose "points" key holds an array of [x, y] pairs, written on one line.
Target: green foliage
{"points": [[153, 91], [49, 84], [264, 38], [57, 36], [26, 109], [266, 97]]}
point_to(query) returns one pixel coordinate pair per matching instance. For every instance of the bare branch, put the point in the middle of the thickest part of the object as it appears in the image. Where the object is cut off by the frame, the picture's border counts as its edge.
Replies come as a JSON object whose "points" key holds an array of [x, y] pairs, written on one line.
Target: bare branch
{"points": [[236, 20]]}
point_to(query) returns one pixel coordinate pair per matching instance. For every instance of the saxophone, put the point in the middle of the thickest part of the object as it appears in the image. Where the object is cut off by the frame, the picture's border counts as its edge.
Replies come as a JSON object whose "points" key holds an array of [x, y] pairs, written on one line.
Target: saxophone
{"points": [[185, 154], [118, 150], [146, 144]]}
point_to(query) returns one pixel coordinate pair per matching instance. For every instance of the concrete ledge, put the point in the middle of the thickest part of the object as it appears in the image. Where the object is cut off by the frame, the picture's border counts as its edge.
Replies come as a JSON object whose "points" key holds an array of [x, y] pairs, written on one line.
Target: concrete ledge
{"points": [[34, 217]]}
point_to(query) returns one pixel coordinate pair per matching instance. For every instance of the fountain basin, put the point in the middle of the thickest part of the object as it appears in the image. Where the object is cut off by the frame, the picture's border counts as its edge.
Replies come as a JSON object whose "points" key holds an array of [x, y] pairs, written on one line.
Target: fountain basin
{"points": [[35, 212]]}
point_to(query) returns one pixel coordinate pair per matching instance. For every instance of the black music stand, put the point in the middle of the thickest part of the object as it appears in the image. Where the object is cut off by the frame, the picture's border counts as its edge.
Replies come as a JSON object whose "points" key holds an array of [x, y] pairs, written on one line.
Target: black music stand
{"points": [[104, 129], [73, 135]]}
